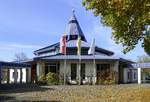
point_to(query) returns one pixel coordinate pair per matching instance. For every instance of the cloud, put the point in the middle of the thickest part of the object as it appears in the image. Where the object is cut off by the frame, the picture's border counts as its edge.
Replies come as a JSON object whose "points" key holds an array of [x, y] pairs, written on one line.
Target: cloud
{"points": [[13, 45], [9, 49]]}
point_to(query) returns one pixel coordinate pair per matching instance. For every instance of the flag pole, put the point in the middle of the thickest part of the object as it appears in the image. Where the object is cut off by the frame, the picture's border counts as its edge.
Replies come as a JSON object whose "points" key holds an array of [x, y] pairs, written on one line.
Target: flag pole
{"points": [[79, 55], [65, 52], [65, 64], [94, 66]]}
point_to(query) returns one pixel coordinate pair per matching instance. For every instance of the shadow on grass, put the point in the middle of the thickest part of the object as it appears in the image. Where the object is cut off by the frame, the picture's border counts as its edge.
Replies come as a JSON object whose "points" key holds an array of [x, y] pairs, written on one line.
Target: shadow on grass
{"points": [[4, 98], [21, 88], [37, 101]]}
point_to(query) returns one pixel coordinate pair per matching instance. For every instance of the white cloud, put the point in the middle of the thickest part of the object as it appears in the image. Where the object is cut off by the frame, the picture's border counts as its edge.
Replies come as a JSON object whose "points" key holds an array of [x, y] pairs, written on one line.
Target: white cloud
{"points": [[13, 45], [9, 49]]}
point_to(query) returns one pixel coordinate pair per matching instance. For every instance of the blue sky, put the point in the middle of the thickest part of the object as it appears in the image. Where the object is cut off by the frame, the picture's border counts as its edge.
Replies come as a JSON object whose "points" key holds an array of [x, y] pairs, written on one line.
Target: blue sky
{"points": [[27, 25]]}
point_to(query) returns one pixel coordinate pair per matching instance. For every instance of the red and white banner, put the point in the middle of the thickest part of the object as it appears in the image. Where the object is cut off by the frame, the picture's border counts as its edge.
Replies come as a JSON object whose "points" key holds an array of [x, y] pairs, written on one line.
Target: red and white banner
{"points": [[63, 45]]}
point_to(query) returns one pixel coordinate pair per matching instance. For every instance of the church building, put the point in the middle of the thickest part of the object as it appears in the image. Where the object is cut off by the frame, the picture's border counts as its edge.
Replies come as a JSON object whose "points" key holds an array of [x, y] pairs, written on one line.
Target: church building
{"points": [[85, 68]]}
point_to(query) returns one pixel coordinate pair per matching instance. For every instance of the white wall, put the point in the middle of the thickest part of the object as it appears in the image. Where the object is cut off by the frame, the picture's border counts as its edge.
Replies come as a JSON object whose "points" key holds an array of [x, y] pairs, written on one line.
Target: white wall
{"points": [[24, 73], [132, 72]]}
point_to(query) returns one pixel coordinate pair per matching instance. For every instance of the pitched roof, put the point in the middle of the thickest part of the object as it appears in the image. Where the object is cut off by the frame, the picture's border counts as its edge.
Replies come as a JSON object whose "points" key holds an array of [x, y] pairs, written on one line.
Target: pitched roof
{"points": [[72, 44]]}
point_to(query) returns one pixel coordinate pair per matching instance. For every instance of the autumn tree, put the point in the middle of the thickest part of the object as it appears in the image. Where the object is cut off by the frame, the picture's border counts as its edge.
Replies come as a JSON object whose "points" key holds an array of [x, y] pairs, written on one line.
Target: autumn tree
{"points": [[129, 20]]}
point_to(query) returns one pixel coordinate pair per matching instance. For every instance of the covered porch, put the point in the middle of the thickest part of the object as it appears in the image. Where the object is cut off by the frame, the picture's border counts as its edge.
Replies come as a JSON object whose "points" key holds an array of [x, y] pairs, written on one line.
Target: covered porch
{"points": [[86, 71], [11, 72]]}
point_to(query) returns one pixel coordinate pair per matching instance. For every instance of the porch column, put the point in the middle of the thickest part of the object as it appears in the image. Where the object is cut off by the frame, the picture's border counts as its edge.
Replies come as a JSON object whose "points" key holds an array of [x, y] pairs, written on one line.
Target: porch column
{"points": [[40, 69], [8, 77], [37, 71], [15, 75], [20, 75], [94, 73], [29, 75], [79, 74], [139, 75], [116, 68]]}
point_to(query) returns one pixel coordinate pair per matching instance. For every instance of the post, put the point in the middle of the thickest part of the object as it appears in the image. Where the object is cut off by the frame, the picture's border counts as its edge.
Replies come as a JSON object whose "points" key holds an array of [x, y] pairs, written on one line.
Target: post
{"points": [[20, 75], [94, 70], [8, 75], [29, 75], [139, 75], [79, 70], [15, 75], [116, 69], [64, 71]]}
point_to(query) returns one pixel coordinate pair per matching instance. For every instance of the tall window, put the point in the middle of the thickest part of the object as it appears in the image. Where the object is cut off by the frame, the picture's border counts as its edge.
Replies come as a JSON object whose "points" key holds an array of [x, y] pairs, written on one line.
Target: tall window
{"points": [[51, 67], [103, 71], [73, 71], [128, 75]]}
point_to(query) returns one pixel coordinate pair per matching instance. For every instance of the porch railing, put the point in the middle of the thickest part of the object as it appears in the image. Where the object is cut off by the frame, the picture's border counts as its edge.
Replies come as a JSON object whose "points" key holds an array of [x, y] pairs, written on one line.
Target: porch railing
{"points": [[84, 80]]}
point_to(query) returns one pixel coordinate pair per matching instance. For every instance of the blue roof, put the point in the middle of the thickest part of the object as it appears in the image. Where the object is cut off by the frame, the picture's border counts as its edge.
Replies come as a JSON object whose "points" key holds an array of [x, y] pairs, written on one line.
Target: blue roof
{"points": [[76, 57], [141, 65], [13, 64]]}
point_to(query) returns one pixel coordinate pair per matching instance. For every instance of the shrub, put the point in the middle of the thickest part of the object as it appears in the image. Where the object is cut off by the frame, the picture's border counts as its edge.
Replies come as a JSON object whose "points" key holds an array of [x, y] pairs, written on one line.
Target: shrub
{"points": [[42, 80], [52, 79]]}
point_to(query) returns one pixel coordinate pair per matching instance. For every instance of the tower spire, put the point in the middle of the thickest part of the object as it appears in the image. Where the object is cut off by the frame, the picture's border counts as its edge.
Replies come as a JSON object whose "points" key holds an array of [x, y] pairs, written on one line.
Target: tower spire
{"points": [[75, 29]]}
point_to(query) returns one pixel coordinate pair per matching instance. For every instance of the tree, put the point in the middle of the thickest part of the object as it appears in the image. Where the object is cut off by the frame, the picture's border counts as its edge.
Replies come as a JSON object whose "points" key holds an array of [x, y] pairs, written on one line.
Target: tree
{"points": [[143, 58], [129, 20], [20, 57]]}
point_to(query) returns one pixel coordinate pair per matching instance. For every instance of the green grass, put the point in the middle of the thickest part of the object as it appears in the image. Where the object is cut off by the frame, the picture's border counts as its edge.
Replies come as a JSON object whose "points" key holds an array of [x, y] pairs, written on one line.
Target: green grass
{"points": [[97, 93]]}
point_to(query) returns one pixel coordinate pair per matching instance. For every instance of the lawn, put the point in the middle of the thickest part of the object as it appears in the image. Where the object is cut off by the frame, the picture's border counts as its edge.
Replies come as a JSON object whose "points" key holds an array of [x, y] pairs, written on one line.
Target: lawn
{"points": [[84, 93]]}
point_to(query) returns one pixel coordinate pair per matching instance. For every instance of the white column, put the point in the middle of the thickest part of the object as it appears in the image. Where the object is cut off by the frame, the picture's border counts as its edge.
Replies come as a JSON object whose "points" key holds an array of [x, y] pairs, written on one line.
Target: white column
{"points": [[94, 72], [40, 69], [79, 73], [24, 75], [116, 69], [139, 75]]}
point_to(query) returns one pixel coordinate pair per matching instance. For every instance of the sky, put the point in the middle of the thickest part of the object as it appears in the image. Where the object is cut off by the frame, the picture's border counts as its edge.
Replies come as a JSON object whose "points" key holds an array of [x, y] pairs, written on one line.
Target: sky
{"points": [[27, 25]]}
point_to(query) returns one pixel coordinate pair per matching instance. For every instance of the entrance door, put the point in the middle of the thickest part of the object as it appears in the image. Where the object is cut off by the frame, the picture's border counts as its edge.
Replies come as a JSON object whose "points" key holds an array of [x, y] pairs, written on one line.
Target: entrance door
{"points": [[73, 71], [82, 71]]}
